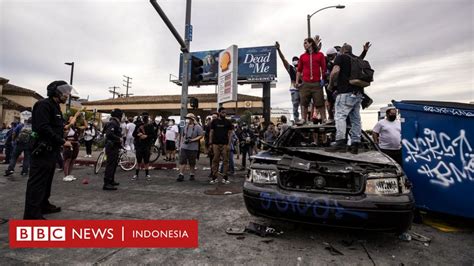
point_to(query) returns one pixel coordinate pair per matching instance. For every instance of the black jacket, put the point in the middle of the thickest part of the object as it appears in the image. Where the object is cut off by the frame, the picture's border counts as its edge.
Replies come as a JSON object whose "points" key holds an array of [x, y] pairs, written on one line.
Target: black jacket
{"points": [[113, 133], [48, 123]]}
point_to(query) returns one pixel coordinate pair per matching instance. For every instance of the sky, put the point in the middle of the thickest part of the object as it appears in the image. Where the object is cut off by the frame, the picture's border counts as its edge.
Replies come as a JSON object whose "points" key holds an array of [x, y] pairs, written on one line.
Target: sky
{"points": [[421, 50]]}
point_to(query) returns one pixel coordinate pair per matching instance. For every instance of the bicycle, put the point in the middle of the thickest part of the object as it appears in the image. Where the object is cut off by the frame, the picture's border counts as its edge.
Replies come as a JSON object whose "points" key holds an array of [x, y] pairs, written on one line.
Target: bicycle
{"points": [[154, 153], [127, 160]]}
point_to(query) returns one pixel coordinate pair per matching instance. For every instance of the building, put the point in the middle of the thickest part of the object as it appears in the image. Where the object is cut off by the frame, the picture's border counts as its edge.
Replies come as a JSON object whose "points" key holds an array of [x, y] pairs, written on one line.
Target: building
{"points": [[14, 100], [170, 105]]}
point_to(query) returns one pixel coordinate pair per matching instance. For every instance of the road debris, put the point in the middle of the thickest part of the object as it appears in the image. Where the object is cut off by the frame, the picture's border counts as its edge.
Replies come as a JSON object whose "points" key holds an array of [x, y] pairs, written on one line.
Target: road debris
{"points": [[420, 238], [268, 241], [366, 251], [405, 237], [235, 230], [262, 230], [332, 249]]}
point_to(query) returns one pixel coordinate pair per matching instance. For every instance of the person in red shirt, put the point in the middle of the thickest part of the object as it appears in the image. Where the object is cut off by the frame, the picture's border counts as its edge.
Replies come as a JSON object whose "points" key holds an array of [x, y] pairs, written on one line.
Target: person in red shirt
{"points": [[311, 69]]}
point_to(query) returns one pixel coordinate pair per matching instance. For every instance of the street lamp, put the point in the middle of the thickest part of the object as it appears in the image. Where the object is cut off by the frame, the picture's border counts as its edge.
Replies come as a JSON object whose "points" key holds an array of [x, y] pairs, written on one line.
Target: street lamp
{"points": [[309, 16], [68, 106]]}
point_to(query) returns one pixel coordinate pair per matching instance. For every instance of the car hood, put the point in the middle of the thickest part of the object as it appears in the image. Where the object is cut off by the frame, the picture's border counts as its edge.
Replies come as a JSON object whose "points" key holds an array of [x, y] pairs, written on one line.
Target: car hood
{"points": [[368, 156]]}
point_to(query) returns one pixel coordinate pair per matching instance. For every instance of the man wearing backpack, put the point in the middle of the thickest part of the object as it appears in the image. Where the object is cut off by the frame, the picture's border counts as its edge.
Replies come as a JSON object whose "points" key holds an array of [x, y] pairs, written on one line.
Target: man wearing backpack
{"points": [[348, 102], [21, 135]]}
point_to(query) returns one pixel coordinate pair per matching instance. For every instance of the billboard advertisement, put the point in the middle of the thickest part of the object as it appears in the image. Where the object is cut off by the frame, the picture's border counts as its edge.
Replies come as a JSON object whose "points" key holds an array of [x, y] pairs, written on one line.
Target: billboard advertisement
{"points": [[255, 64], [227, 83]]}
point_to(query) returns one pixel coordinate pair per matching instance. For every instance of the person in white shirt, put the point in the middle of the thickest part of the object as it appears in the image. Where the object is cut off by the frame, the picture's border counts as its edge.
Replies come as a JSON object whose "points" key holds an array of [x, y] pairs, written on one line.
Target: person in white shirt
{"points": [[172, 133], [129, 135], [89, 135], [387, 134]]}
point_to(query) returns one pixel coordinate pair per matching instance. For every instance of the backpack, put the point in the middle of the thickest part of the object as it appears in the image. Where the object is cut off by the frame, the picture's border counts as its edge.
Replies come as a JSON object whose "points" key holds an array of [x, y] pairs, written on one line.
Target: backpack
{"points": [[361, 72], [24, 135]]}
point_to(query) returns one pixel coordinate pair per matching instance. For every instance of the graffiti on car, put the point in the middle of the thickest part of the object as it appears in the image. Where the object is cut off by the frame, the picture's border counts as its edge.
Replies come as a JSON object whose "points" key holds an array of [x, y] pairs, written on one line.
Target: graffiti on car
{"points": [[321, 208]]}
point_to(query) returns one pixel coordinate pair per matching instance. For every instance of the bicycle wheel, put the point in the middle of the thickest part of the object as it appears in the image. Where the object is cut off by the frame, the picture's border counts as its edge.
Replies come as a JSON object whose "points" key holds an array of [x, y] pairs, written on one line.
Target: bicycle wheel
{"points": [[99, 162], [127, 160], [154, 153]]}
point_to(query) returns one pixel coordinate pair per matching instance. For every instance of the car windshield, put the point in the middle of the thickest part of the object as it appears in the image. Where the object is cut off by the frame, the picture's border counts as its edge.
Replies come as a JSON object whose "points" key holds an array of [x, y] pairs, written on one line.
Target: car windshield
{"points": [[315, 137]]}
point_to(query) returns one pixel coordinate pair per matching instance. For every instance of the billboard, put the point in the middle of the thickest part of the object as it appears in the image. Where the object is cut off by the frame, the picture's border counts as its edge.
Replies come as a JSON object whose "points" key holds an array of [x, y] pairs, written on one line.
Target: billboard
{"points": [[255, 64], [227, 83]]}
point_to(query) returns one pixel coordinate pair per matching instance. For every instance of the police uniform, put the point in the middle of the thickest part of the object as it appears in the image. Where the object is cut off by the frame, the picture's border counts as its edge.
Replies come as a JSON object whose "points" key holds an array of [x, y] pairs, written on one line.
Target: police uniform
{"points": [[48, 124], [113, 134]]}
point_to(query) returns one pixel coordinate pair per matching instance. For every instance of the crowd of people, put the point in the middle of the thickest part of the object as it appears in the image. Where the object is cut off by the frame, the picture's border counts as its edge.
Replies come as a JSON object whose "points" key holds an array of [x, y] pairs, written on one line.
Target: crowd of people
{"points": [[320, 91]]}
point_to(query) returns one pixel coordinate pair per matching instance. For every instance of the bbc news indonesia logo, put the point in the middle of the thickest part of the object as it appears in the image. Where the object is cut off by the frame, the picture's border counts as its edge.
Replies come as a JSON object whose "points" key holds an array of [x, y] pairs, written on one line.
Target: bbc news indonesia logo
{"points": [[103, 233]]}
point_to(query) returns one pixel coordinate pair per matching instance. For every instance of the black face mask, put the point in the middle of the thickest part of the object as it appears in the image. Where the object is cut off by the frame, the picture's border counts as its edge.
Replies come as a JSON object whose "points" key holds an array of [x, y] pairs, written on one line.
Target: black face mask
{"points": [[392, 117]]}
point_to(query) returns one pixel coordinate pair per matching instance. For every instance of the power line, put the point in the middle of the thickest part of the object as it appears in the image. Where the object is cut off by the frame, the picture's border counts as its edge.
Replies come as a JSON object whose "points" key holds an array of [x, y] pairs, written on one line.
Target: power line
{"points": [[128, 85], [112, 90]]}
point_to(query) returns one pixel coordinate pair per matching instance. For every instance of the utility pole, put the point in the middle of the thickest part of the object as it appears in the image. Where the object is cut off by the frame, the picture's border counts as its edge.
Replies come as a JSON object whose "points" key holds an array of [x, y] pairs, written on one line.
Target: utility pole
{"points": [[112, 90], [184, 48], [186, 57], [128, 85]]}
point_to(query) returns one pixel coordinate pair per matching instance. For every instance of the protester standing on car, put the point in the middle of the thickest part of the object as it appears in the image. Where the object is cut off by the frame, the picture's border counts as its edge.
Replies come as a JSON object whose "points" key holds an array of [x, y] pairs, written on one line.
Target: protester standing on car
{"points": [[347, 103], [220, 138], [190, 136], [387, 134], [47, 138], [312, 71], [113, 143], [144, 136], [291, 69], [22, 137]]}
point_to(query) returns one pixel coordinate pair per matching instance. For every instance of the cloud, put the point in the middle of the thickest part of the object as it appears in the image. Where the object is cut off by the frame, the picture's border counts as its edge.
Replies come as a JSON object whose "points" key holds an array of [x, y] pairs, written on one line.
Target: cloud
{"points": [[421, 49]]}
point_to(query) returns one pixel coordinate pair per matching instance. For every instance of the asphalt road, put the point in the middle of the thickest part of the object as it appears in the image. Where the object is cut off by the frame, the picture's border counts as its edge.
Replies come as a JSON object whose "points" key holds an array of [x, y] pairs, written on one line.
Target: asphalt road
{"points": [[164, 198]]}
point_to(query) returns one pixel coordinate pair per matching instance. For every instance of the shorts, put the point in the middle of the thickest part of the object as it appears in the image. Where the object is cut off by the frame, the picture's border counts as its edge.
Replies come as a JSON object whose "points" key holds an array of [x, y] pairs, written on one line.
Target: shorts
{"points": [[143, 154], [170, 145], [187, 157], [311, 91]]}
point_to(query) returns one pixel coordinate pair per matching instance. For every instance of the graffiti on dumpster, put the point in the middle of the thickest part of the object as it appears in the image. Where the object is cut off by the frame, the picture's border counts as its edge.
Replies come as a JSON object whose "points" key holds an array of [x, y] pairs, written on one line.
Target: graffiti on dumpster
{"points": [[320, 208], [444, 159], [444, 110]]}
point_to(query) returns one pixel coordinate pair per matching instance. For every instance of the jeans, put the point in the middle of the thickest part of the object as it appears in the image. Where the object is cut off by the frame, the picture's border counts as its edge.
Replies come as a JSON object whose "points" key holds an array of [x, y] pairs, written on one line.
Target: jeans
{"points": [[231, 164], [295, 100], [89, 146], [19, 148], [246, 151], [348, 105], [220, 150]]}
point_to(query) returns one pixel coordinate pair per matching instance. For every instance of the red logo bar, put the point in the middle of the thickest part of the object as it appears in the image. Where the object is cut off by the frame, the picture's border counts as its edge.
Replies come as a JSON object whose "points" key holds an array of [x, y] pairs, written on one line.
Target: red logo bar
{"points": [[103, 233]]}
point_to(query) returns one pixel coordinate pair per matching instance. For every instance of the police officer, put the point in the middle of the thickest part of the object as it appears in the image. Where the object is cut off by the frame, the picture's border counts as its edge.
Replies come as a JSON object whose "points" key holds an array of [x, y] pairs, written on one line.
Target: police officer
{"points": [[113, 135], [47, 126]]}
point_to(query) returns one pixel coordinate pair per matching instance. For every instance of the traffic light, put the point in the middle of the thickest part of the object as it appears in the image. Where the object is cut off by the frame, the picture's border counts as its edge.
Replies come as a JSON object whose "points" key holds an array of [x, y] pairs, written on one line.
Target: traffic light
{"points": [[195, 71], [194, 102]]}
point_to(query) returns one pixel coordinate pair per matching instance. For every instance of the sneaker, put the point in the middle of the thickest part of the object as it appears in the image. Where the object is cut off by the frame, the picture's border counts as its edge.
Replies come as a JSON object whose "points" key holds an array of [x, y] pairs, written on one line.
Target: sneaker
{"points": [[67, 178], [191, 178], [8, 172], [225, 181], [73, 178], [339, 146], [109, 187], [180, 178], [148, 178], [135, 177], [213, 181], [354, 148]]}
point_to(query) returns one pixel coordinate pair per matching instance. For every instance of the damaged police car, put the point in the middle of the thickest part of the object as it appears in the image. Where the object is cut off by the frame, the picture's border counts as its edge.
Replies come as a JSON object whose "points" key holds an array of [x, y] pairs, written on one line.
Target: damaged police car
{"points": [[296, 179]]}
